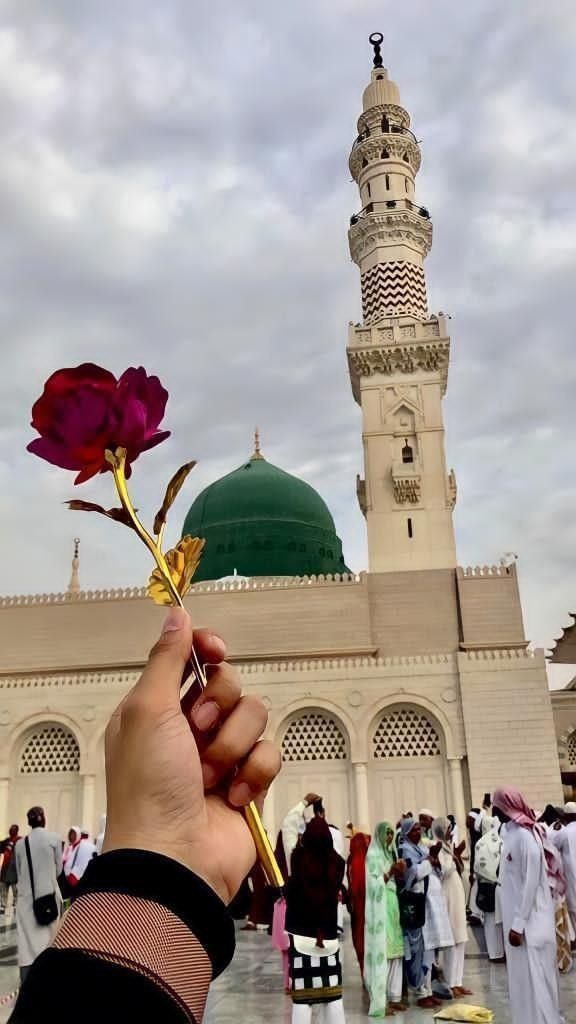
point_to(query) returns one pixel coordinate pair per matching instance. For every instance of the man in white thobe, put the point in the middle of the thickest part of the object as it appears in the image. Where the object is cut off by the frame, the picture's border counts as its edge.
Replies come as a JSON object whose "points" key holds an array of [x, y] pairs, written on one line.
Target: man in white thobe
{"points": [[46, 857], [564, 840], [527, 914]]}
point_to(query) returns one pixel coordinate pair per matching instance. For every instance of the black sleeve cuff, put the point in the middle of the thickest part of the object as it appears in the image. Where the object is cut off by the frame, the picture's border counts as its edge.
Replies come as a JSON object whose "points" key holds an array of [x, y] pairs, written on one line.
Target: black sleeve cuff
{"points": [[152, 876]]}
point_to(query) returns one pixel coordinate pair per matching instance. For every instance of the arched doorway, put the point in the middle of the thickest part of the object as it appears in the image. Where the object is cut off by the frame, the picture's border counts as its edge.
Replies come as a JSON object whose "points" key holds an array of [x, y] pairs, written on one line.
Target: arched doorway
{"points": [[407, 765], [315, 758], [47, 773]]}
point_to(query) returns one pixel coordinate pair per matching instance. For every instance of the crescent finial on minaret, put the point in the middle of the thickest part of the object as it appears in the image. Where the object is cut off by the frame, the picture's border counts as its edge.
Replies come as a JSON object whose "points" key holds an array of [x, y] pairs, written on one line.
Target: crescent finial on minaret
{"points": [[376, 39]]}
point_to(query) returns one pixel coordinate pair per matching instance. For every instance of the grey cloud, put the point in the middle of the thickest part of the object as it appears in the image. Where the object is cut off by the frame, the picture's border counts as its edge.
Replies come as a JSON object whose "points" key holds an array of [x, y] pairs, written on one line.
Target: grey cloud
{"points": [[174, 191]]}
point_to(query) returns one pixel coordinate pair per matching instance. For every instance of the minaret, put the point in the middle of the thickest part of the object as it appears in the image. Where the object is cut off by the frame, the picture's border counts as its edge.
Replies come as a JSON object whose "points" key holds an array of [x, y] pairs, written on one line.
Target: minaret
{"points": [[398, 356], [74, 585]]}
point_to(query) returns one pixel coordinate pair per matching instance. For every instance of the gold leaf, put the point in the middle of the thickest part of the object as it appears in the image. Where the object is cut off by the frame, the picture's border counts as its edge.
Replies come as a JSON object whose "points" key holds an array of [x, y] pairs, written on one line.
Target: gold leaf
{"points": [[182, 562], [171, 493], [118, 514]]}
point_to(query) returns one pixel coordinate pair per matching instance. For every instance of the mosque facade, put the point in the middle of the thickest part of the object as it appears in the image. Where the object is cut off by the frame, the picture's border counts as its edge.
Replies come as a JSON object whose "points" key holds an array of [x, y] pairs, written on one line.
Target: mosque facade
{"points": [[409, 684]]}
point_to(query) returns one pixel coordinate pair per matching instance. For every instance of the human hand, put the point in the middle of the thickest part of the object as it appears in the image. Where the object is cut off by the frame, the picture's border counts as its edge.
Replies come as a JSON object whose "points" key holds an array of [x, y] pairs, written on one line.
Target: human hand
{"points": [[160, 762], [515, 938], [398, 868]]}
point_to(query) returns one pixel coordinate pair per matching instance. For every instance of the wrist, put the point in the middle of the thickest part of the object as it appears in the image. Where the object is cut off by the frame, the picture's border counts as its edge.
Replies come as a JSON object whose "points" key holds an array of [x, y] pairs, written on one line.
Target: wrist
{"points": [[187, 854]]}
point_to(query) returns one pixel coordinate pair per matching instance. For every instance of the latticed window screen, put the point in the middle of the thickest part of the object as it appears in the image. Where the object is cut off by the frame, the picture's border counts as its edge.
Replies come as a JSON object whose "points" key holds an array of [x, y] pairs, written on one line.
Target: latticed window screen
{"points": [[571, 745], [405, 732], [52, 748], [314, 737]]}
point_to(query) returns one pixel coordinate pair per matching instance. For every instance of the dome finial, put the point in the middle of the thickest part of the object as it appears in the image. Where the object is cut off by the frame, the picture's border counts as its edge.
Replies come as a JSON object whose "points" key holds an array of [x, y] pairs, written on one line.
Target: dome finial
{"points": [[74, 585], [376, 39], [257, 453]]}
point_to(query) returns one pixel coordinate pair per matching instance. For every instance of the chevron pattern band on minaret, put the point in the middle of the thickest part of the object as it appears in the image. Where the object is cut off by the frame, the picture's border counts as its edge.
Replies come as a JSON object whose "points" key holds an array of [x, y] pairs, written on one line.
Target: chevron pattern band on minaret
{"points": [[394, 288]]}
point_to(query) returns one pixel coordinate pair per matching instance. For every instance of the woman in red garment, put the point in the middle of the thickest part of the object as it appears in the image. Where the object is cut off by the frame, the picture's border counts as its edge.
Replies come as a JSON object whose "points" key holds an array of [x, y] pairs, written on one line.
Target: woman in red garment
{"points": [[357, 891]]}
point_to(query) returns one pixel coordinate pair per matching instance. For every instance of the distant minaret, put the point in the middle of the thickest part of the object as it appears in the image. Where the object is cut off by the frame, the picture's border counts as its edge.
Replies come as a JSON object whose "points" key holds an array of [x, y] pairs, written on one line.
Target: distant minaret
{"points": [[398, 356], [74, 585]]}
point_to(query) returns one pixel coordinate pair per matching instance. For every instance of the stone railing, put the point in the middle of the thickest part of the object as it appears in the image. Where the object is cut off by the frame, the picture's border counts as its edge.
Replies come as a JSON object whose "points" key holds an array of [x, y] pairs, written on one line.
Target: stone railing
{"points": [[218, 586], [486, 571]]}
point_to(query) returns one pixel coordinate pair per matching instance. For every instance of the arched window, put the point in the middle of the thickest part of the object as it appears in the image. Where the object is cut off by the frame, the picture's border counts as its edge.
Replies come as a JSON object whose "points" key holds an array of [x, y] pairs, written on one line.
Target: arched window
{"points": [[388, 182], [385, 124], [364, 162], [315, 736], [385, 154], [405, 157], [368, 190], [50, 748], [407, 452], [405, 732]]}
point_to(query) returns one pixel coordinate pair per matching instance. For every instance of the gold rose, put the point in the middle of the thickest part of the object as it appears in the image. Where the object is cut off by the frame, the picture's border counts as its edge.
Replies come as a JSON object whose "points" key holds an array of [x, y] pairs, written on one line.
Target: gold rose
{"points": [[169, 584]]}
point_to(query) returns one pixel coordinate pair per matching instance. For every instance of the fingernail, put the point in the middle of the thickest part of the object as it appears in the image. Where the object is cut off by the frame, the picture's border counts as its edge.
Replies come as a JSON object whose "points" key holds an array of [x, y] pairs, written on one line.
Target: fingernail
{"points": [[208, 776], [240, 794], [206, 715], [174, 620]]}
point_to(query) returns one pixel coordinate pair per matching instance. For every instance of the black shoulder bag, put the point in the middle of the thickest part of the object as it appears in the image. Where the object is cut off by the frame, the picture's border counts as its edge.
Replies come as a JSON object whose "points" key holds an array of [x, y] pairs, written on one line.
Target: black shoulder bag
{"points": [[412, 908], [45, 907], [486, 896]]}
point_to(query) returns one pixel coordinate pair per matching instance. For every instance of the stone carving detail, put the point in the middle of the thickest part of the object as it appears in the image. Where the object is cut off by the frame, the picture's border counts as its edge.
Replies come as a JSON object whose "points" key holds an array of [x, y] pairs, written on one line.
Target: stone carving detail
{"points": [[405, 732], [51, 748], [361, 494], [452, 488], [398, 146], [571, 749], [407, 490], [394, 227], [314, 737], [405, 359], [372, 118]]}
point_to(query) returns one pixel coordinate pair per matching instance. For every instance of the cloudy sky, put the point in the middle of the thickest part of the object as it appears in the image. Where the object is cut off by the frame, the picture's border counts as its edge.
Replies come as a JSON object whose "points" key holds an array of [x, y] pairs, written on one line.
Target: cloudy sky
{"points": [[174, 192]]}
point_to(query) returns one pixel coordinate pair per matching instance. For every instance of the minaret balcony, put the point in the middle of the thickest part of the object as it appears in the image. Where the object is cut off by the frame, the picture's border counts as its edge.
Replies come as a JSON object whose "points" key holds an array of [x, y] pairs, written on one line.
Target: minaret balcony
{"points": [[394, 222], [389, 204], [393, 129], [406, 479]]}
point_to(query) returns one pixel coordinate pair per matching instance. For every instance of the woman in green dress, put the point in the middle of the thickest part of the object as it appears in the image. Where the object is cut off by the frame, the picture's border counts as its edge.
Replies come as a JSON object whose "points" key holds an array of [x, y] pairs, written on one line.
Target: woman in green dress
{"points": [[383, 938]]}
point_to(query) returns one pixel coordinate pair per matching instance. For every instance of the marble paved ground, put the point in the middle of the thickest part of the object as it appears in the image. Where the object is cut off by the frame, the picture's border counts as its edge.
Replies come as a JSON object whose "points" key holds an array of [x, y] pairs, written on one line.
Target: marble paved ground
{"points": [[251, 988]]}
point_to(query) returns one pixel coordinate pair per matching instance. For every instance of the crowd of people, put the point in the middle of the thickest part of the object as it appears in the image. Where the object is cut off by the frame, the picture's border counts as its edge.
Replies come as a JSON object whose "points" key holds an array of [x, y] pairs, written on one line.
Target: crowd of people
{"points": [[411, 899], [148, 926]]}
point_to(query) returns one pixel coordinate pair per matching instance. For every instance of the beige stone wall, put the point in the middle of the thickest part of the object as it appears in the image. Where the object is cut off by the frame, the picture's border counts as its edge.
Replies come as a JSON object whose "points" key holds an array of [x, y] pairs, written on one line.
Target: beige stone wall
{"points": [[413, 612], [490, 608], [354, 691], [256, 621], [564, 711], [508, 723]]}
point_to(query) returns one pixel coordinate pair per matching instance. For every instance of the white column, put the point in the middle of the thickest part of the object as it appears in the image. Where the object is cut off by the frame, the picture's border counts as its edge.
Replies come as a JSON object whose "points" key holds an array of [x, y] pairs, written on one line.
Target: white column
{"points": [[88, 798], [362, 819], [457, 792], [4, 823], [268, 816]]}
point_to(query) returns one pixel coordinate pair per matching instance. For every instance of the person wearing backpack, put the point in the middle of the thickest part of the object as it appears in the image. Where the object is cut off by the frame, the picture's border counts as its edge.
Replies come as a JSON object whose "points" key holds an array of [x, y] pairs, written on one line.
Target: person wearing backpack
{"points": [[38, 864]]}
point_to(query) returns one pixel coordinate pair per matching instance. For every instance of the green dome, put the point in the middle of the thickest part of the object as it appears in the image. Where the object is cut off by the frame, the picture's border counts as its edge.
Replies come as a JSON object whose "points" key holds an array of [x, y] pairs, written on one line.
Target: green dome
{"points": [[262, 521]]}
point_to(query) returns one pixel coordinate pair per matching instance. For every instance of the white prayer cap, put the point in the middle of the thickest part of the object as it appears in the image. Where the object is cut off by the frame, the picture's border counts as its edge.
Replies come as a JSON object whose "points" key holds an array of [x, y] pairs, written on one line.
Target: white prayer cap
{"points": [[570, 807], [426, 813]]}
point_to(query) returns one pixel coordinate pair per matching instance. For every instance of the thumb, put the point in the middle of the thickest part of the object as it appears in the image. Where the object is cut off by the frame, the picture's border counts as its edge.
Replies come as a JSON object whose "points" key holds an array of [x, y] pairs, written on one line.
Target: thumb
{"points": [[162, 676]]}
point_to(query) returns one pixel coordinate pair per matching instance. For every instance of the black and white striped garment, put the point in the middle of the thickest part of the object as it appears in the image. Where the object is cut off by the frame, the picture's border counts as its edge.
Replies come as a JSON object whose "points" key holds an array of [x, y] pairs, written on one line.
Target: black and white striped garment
{"points": [[315, 979]]}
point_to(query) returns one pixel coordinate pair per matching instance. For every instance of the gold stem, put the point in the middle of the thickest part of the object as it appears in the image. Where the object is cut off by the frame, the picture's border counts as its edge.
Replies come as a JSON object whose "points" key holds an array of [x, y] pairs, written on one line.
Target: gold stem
{"points": [[251, 813]]}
